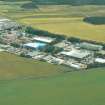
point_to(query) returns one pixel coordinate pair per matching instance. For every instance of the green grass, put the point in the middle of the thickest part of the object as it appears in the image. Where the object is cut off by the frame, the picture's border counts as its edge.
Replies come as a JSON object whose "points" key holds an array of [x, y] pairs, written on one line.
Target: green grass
{"points": [[76, 88], [28, 82]]}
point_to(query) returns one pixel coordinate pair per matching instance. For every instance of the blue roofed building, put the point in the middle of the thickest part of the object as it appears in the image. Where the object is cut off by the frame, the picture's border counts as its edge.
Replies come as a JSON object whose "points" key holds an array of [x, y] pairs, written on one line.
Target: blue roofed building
{"points": [[36, 45]]}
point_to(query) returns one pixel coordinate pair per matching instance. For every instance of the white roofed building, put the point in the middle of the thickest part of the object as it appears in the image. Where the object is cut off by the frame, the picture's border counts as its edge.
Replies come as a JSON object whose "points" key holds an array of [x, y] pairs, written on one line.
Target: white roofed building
{"points": [[82, 56], [35, 46], [44, 39], [79, 54], [99, 60], [90, 46], [78, 66]]}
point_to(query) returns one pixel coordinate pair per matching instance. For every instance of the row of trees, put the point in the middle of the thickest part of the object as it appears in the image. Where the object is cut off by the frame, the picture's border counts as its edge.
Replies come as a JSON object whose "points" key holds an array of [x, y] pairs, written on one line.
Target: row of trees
{"points": [[96, 65], [31, 31], [70, 2]]}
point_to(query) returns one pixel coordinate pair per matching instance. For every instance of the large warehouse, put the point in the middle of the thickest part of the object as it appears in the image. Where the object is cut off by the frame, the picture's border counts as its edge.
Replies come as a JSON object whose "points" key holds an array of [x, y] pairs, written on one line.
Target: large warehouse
{"points": [[35, 46], [90, 46], [76, 54], [45, 39]]}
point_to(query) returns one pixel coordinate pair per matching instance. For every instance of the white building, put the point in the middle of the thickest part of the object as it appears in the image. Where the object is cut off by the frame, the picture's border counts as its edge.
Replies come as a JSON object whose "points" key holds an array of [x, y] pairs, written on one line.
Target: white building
{"points": [[35, 45], [79, 54], [78, 65], [44, 39], [99, 60], [90, 46]]}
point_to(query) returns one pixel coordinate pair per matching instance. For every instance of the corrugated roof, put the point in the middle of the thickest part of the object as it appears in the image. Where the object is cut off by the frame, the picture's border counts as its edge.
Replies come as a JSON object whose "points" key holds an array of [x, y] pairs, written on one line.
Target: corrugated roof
{"points": [[76, 53], [100, 60], [91, 46], [44, 39], [35, 45]]}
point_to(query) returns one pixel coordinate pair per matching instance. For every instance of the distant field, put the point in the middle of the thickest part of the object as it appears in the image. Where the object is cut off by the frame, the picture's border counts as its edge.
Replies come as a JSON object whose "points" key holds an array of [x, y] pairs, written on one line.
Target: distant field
{"points": [[61, 19], [69, 26]]}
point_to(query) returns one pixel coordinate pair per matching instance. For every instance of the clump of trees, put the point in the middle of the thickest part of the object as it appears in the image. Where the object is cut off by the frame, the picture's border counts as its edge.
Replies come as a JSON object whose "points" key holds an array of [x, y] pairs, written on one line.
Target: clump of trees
{"points": [[95, 20]]}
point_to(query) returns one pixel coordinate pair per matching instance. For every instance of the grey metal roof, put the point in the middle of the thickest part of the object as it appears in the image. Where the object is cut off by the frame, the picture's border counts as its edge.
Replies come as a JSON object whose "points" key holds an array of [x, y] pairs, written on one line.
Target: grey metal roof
{"points": [[91, 46], [76, 53]]}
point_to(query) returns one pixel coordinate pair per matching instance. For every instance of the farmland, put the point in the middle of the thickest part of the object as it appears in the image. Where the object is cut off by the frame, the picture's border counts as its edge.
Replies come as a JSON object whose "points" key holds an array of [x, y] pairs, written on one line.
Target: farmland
{"points": [[24, 82], [66, 89], [69, 26], [60, 19]]}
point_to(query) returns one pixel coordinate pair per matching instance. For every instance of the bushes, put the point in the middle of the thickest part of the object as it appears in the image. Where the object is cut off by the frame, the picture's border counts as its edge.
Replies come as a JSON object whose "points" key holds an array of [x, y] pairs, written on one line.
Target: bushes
{"points": [[96, 65], [73, 40], [95, 20], [33, 31]]}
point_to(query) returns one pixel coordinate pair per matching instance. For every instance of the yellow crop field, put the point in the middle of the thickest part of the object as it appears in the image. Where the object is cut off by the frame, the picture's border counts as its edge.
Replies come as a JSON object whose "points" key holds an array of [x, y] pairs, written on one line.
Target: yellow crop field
{"points": [[68, 26], [60, 19]]}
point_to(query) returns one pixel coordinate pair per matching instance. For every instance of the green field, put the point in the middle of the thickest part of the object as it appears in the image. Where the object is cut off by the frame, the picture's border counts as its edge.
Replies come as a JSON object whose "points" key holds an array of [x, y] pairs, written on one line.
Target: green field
{"points": [[76, 88], [28, 82]]}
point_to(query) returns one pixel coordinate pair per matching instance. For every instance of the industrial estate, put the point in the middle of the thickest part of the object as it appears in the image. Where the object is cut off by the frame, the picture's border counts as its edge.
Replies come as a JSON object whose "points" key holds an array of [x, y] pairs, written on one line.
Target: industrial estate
{"points": [[65, 51]]}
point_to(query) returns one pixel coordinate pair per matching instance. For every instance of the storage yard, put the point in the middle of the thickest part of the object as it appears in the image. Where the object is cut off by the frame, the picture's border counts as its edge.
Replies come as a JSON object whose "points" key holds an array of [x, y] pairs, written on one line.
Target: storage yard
{"points": [[78, 55]]}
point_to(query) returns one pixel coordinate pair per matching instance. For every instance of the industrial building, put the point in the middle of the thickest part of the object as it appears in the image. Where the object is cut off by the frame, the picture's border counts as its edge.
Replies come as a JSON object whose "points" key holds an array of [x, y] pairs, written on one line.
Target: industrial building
{"points": [[36, 55], [78, 66], [65, 45], [7, 24], [35, 46], [44, 39], [99, 60], [89, 46], [78, 54]]}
